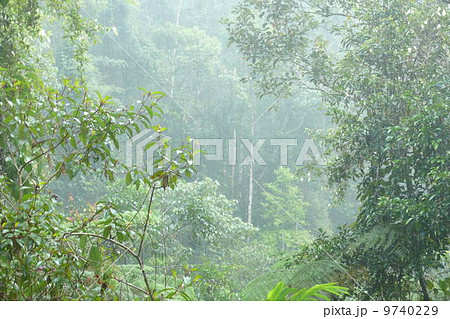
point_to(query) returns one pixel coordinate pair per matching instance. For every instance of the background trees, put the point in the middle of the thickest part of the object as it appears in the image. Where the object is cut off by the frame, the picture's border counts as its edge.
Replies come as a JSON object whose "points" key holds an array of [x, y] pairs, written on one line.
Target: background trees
{"points": [[384, 89], [284, 211]]}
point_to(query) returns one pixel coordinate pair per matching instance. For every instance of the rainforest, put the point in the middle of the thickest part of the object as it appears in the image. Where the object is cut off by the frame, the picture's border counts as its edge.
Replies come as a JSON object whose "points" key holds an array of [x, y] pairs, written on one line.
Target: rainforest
{"points": [[225, 150]]}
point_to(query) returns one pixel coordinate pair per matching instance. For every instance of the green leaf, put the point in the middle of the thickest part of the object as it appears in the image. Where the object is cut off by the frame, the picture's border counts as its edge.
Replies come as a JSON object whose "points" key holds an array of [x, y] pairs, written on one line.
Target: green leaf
{"points": [[83, 135], [95, 257], [107, 231], [73, 142], [115, 141], [184, 295], [82, 242], [128, 179]]}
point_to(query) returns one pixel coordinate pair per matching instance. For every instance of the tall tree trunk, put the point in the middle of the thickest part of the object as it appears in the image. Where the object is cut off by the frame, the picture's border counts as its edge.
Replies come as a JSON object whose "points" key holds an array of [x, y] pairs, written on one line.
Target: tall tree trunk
{"points": [[233, 164], [250, 184], [177, 23], [250, 195]]}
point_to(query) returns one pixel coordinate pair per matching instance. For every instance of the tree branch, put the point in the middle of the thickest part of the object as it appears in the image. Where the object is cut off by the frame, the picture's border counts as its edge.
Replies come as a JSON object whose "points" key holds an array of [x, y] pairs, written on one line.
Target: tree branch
{"points": [[126, 248]]}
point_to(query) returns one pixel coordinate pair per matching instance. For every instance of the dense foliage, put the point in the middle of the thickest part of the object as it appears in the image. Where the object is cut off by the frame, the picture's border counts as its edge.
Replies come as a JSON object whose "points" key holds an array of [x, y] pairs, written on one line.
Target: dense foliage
{"points": [[81, 220]]}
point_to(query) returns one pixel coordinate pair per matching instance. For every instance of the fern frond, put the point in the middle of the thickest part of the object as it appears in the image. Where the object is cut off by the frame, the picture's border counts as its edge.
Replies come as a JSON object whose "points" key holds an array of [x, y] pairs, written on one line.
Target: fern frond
{"points": [[298, 277], [284, 293]]}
